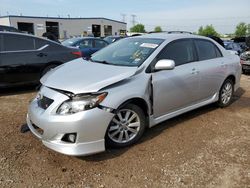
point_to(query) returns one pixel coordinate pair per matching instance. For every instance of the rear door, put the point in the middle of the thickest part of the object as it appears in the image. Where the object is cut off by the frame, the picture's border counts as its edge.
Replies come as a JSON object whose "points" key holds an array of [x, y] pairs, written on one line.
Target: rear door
{"points": [[211, 65], [17, 52], [177, 88]]}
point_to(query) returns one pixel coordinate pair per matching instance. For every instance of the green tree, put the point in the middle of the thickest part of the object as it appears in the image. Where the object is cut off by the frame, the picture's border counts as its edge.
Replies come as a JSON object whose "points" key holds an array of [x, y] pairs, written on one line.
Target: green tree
{"points": [[139, 28], [208, 30], [200, 31], [241, 30], [248, 29], [158, 29]]}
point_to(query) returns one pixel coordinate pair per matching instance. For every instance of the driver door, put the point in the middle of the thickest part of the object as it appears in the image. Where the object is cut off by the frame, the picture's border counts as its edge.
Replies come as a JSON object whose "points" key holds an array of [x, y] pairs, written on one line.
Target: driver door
{"points": [[177, 88]]}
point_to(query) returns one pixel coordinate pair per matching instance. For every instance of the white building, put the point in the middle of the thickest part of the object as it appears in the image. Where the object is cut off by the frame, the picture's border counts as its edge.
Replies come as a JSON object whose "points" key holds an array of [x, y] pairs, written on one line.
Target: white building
{"points": [[65, 27]]}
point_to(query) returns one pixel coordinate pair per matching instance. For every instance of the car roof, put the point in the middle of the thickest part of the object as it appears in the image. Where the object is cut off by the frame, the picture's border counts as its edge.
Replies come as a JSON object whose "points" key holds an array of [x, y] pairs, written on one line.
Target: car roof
{"points": [[28, 35], [166, 36]]}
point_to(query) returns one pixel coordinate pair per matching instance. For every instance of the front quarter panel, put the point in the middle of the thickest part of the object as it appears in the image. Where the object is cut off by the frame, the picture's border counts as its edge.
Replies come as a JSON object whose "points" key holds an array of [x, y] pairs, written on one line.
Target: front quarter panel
{"points": [[137, 86]]}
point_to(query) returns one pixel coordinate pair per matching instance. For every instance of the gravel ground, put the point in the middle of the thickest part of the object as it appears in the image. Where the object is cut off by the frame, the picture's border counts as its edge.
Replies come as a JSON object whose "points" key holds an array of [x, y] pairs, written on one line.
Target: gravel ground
{"points": [[208, 147]]}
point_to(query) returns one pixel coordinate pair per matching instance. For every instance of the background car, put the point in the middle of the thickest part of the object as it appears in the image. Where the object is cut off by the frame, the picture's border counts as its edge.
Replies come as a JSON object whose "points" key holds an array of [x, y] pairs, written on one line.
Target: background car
{"points": [[9, 29], [245, 61], [111, 39], [25, 58], [87, 45], [235, 47]]}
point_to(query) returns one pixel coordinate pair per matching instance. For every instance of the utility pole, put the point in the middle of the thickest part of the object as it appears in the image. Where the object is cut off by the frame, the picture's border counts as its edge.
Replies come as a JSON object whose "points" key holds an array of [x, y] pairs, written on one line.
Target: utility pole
{"points": [[133, 19], [123, 17]]}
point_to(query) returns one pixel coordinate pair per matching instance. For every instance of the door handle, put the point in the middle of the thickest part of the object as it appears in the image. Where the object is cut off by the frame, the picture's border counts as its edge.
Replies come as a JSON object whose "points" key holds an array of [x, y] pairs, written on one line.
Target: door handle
{"points": [[194, 71], [41, 54]]}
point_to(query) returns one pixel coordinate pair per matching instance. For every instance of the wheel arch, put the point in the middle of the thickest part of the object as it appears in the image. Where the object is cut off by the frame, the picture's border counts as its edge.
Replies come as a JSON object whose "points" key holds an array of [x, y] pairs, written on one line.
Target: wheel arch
{"points": [[140, 102], [51, 63], [231, 77]]}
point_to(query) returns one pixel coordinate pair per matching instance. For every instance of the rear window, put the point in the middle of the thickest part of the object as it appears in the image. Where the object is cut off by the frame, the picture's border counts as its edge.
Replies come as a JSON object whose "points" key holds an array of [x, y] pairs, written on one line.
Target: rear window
{"points": [[207, 50], [100, 44], [17, 43], [70, 42], [40, 43]]}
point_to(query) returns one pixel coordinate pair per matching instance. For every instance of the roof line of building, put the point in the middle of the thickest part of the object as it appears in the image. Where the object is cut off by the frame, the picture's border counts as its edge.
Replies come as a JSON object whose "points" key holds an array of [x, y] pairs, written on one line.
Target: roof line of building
{"points": [[16, 16]]}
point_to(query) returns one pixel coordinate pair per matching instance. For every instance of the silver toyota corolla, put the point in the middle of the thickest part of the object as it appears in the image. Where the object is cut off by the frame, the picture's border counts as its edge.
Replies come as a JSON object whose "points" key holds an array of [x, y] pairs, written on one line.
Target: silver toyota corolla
{"points": [[133, 84]]}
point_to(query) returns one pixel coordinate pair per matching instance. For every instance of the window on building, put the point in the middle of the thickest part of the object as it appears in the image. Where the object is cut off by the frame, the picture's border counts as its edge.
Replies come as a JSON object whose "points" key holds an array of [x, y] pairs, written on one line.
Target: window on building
{"points": [[107, 30]]}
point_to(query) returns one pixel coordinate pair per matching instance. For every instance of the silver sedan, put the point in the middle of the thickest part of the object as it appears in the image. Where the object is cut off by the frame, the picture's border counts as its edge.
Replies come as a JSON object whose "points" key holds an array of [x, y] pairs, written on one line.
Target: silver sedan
{"points": [[133, 84]]}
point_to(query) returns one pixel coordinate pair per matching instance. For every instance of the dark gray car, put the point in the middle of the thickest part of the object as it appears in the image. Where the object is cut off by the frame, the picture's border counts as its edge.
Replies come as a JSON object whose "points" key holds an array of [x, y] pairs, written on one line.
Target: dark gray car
{"points": [[25, 58]]}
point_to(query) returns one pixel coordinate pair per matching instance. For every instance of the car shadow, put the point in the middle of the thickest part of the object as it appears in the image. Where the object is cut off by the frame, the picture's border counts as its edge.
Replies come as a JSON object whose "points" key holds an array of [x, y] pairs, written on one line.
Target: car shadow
{"points": [[18, 90], [157, 130]]}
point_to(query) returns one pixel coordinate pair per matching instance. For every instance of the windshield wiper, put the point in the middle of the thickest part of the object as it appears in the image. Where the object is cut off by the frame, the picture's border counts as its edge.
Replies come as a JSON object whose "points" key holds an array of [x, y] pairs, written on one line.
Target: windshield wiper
{"points": [[103, 62]]}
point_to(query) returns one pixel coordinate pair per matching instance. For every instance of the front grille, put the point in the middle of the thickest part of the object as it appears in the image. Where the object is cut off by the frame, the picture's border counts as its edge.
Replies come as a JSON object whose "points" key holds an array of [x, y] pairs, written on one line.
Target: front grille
{"points": [[44, 102]]}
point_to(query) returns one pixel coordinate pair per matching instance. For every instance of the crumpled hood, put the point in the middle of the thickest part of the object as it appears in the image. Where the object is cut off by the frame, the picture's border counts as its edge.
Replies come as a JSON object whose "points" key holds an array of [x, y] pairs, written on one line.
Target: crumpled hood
{"points": [[80, 76]]}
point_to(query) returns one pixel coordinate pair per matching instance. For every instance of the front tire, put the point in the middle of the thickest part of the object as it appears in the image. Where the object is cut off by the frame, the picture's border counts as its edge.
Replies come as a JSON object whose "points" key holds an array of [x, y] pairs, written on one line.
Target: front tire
{"points": [[126, 127], [226, 93]]}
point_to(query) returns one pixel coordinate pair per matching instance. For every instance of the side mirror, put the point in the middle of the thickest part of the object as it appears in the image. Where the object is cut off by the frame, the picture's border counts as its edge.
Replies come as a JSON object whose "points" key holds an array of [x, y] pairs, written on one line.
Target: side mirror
{"points": [[165, 64]]}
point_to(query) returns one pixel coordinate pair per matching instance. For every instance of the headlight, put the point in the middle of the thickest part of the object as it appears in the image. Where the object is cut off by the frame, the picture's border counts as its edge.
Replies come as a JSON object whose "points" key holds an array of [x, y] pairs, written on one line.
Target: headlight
{"points": [[81, 103]]}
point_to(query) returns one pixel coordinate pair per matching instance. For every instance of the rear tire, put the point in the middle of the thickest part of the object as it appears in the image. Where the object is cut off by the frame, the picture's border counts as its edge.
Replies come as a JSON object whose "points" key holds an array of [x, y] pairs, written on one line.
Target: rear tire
{"points": [[226, 93], [126, 127]]}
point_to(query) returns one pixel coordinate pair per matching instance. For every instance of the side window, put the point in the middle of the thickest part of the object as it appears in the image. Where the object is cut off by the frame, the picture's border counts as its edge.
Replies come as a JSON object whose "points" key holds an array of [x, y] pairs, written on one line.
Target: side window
{"points": [[218, 52], [85, 44], [206, 50], [181, 51], [40, 43], [1, 43], [100, 44], [13, 42]]}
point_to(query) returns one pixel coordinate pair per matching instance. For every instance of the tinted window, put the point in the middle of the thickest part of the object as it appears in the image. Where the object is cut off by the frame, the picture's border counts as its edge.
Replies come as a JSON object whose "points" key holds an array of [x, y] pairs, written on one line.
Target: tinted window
{"points": [[206, 50], [218, 52], [17, 42], [85, 44], [100, 44], [40, 43], [70, 42], [181, 51]]}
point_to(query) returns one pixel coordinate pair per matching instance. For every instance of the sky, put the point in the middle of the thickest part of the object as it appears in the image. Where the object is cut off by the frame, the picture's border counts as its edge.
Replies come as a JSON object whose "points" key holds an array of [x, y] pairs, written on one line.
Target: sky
{"points": [[185, 15]]}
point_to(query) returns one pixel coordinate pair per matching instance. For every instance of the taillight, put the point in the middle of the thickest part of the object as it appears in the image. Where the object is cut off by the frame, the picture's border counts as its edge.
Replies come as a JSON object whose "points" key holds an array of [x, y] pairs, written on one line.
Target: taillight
{"points": [[77, 54]]}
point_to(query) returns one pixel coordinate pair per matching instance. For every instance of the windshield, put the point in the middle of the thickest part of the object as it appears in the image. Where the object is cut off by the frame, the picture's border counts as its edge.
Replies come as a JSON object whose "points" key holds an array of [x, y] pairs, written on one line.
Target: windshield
{"points": [[127, 52], [70, 42]]}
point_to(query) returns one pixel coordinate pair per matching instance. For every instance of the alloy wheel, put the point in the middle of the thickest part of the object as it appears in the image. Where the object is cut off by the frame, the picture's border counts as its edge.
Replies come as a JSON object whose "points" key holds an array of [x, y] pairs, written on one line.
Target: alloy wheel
{"points": [[226, 93], [124, 126]]}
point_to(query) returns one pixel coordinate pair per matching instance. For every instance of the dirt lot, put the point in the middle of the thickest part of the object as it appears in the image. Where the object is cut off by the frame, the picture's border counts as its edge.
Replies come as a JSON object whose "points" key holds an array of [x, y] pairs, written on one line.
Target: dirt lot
{"points": [[208, 147]]}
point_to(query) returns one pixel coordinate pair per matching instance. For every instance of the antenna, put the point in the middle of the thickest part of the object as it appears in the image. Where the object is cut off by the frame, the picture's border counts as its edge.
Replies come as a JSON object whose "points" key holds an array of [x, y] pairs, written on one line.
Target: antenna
{"points": [[133, 19]]}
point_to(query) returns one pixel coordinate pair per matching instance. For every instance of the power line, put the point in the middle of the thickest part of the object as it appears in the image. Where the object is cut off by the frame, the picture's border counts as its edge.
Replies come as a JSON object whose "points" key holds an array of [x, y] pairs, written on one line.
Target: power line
{"points": [[133, 19]]}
